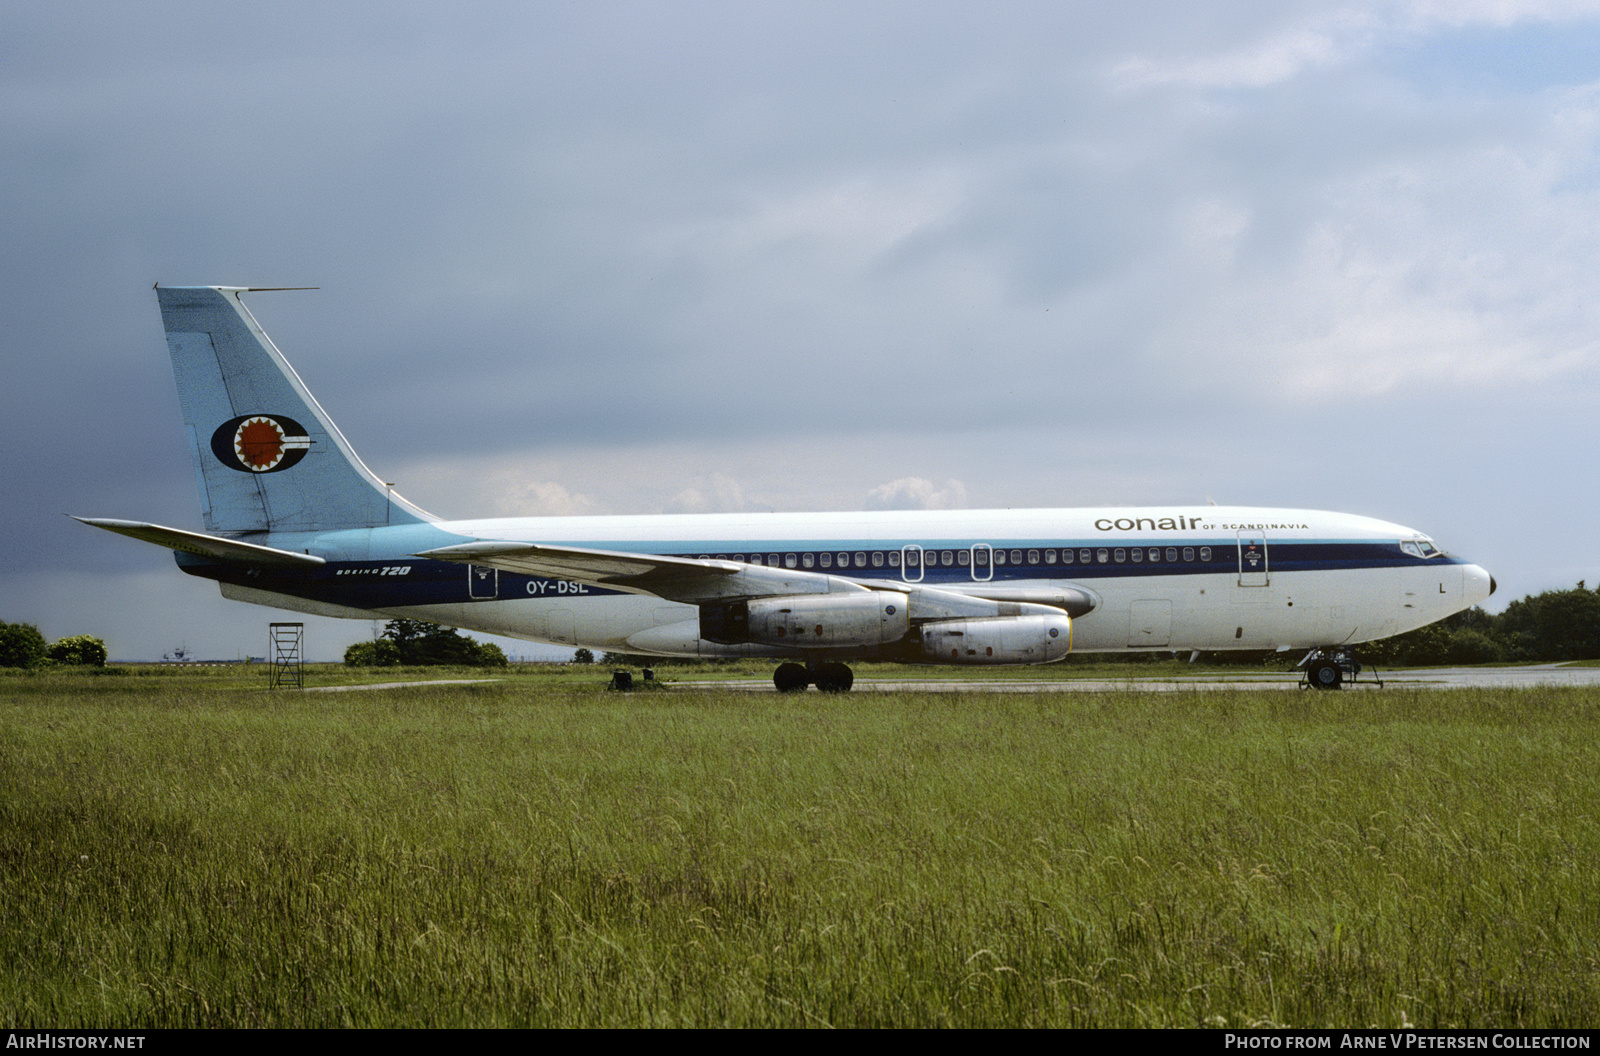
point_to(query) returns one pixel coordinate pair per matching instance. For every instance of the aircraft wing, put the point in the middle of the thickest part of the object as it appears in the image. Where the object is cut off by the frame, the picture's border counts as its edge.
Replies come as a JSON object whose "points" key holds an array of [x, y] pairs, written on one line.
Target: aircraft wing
{"points": [[1075, 601], [685, 579], [212, 546], [600, 567], [695, 580]]}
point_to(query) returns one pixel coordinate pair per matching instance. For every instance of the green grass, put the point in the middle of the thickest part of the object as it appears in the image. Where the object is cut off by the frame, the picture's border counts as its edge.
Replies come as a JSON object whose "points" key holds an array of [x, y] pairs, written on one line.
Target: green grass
{"points": [[178, 850]]}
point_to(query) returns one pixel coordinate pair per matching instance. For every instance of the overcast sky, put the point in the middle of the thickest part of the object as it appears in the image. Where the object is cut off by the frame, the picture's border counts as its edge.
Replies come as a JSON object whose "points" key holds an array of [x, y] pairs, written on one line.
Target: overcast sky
{"points": [[651, 257]]}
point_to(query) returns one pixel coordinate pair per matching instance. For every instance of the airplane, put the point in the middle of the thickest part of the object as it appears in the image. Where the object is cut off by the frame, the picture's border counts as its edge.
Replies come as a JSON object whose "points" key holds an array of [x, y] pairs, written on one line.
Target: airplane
{"points": [[294, 520]]}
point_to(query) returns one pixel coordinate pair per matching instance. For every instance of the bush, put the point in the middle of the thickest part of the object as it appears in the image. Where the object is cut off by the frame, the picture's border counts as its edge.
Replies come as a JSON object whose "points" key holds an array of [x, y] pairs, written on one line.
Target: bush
{"points": [[380, 653], [417, 643], [1469, 646], [80, 649], [21, 645]]}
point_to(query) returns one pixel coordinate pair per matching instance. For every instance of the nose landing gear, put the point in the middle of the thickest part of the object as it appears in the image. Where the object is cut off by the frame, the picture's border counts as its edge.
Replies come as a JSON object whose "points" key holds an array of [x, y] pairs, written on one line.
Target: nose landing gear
{"points": [[1330, 669], [1324, 674]]}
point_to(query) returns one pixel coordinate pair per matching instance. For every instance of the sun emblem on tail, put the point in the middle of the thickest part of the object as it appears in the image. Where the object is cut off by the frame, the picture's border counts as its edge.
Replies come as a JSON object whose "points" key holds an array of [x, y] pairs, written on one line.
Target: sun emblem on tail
{"points": [[260, 443]]}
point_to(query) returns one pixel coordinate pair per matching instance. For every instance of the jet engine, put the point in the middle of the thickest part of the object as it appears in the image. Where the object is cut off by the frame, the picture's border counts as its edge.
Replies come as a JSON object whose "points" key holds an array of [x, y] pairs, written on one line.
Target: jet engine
{"points": [[810, 621], [998, 640]]}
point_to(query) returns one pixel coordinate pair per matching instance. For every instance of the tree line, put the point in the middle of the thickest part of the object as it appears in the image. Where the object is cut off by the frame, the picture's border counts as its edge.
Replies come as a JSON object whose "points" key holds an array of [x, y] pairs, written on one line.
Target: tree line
{"points": [[1557, 625], [21, 645]]}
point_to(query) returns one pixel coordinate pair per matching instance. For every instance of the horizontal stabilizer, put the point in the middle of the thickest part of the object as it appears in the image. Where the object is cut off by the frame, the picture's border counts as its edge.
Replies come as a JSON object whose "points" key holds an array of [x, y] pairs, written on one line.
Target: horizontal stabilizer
{"points": [[205, 545]]}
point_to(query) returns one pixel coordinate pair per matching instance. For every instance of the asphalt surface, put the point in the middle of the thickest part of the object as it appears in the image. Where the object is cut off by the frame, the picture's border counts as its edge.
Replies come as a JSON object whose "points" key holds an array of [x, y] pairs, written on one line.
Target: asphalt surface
{"points": [[1438, 677]]}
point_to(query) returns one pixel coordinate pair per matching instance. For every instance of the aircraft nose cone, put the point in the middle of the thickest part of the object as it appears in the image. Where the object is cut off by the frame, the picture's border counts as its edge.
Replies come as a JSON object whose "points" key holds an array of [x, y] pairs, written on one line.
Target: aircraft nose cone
{"points": [[1477, 583]]}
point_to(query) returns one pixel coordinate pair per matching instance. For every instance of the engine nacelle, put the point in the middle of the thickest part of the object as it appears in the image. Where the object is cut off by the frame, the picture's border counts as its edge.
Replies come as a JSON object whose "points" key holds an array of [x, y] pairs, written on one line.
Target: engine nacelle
{"points": [[1001, 640], [810, 621]]}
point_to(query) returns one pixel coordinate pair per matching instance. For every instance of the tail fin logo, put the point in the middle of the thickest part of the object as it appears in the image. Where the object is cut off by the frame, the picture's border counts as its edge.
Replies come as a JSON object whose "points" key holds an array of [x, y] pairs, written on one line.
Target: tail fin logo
{"points": [[260, 443]]}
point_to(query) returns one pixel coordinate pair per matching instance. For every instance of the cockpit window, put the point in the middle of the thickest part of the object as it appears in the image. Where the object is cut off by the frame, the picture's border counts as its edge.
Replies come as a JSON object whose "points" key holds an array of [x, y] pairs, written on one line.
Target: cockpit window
{"points": [[1420, 547]]}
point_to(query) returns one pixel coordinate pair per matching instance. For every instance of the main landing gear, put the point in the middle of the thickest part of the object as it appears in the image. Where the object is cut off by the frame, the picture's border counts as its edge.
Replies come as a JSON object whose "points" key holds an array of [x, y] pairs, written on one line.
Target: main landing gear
{"points": [[829, 676], [1330, 668]]}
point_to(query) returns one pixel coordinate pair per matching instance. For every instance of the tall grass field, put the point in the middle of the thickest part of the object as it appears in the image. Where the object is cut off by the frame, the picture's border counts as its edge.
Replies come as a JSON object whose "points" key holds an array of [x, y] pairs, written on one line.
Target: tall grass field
{"points": [[190, 849]]}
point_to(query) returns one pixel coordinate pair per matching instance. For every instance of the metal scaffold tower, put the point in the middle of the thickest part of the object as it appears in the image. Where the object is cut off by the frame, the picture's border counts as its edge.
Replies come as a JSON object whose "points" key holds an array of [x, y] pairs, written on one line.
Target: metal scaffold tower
{"points": [[285, 651]]}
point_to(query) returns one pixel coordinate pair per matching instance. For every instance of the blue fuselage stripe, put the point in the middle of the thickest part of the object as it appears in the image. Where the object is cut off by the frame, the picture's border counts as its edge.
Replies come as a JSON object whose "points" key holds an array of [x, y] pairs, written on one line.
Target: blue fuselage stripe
{"points": [[410, 581]]}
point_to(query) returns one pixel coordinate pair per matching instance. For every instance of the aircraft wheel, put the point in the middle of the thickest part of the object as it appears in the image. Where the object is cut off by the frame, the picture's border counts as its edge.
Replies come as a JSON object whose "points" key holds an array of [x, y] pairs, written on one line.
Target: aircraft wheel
{"points": [[791, 678], [834, 677], [1325, 674]]}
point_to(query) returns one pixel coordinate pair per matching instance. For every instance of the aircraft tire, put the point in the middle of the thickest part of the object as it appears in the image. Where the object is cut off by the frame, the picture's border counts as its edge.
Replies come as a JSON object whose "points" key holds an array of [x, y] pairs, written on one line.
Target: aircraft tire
{"points": [[791, 678], [833, 677], [1325, 674]]}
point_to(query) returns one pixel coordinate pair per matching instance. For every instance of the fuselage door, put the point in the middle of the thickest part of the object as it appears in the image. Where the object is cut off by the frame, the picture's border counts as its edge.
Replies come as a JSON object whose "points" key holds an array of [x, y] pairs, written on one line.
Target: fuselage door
{"points": [[982, 562], [483, 582], [1253, 559], [911, 563]]}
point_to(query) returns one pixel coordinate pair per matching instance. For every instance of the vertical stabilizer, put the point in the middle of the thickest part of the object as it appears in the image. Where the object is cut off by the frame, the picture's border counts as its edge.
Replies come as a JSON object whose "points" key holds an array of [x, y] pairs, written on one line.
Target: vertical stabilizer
{"points": [[266, 455]]}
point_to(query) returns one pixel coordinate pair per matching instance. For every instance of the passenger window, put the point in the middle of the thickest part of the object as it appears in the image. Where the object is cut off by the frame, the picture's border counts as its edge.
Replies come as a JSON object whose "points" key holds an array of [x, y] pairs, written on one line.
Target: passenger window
{"points": [[877, 559], [1155, 554], [827, 560], [1033, 557], [1188, 553], [980, 556], [844, 560], [999, 557], [962, 557], [861, 560], [1016, 557], [1049, 557], [1102, 556], [806, 560], [789, 560], [894, 559], [1066, 557], [1083, 557], [946, 558], [1121, 556], [1172, 553], [1205, 553], [1138, 555]]}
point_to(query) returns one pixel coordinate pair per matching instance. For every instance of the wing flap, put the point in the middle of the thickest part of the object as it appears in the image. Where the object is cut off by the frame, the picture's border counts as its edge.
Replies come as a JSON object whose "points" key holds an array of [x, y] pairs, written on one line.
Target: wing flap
{"points": [[600, 567], [685, 579], [1074, 601]]}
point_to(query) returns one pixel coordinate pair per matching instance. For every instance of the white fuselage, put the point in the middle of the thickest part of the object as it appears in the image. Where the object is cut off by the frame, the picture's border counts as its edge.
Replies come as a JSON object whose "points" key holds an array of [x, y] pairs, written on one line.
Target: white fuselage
{"points": [[1167, 578]]}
